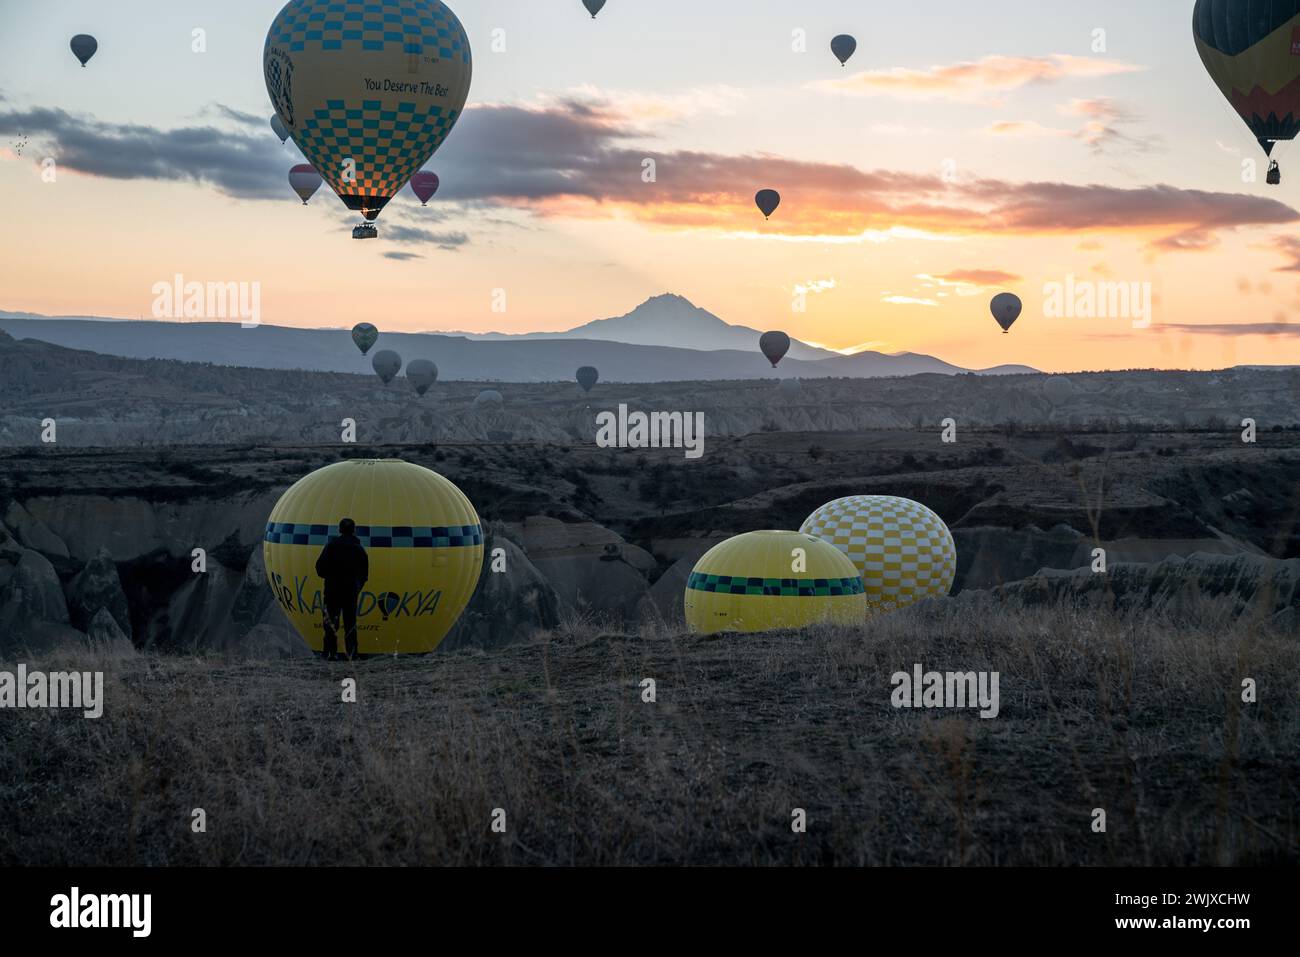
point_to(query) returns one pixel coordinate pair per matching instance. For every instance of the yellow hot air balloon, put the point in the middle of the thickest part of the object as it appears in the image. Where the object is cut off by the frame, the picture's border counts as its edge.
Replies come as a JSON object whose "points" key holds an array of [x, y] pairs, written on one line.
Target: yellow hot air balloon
{"points": [[368, 89], [903, 551], [422, 537], [749, 583]]}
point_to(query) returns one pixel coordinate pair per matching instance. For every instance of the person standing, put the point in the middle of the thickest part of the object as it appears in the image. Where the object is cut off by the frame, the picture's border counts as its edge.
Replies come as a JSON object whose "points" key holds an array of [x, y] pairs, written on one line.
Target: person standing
{"points": [[345, 567]]}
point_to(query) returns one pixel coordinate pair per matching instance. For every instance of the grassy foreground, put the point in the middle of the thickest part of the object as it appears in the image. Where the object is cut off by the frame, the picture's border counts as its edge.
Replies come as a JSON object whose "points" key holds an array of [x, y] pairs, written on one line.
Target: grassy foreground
{"points": [[1137, 714]]}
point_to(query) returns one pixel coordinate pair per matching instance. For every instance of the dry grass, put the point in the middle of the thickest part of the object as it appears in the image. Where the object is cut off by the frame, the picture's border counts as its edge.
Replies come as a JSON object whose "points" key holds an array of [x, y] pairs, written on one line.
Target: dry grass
{"points": [[1135, 714]]}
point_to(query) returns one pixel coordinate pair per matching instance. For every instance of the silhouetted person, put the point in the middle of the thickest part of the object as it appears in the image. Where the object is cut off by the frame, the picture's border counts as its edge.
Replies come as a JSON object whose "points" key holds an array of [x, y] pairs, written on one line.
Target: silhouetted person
{"points": [[344, 566]]}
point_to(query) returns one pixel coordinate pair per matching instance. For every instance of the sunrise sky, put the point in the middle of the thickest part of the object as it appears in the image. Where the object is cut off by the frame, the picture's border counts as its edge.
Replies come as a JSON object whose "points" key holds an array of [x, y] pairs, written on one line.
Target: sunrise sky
{"points": [[966, 149]]}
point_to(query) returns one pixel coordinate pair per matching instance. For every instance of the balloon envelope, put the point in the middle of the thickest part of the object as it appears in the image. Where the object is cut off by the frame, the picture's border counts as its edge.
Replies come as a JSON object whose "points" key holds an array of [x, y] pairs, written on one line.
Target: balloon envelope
{"points": [[424, 185], [1006, 307], [1249, 49], [367, 143], [422, 537], [305, 181], [277, 127], [364, 335], [790, 387], [774, 345], [587, 377], [767, 201], [488, 397], [423, 374], [844, 46], [83, 47], [745, 584], [386, 365], [903, 551], [593, 6]]}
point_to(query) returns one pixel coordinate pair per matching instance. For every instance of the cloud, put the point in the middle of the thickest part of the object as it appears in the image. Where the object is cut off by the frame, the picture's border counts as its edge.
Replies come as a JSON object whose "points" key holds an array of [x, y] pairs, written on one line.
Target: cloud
{"points": [[416, 235], [237, 164], [1288, 246], [581, 160], [814, 286], [1105, 128], [974, 79], [977, 277], [1234, 328], [402, 257], [908, 301]]}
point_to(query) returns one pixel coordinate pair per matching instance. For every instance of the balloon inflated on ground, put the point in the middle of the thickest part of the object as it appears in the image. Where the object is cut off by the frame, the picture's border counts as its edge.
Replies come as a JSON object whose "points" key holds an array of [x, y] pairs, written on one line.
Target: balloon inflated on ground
{"points": [[903, 551], [367, 100], [422, 537], [488, 398], [761, 581]]}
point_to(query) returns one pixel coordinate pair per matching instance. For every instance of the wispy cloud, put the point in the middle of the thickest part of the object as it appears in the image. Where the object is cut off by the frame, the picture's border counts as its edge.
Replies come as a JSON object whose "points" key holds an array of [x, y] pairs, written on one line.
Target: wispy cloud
{"points": [[975, 79]]}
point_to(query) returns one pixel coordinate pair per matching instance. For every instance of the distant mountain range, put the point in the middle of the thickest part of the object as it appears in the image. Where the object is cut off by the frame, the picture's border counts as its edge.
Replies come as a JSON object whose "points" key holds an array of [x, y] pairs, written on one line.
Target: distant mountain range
{"points": [[664, 339]]}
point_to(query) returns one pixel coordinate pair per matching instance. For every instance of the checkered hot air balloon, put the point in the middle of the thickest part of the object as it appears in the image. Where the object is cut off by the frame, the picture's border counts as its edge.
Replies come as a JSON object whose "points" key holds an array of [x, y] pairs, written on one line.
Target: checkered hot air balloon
{"points": [[368, 89]]}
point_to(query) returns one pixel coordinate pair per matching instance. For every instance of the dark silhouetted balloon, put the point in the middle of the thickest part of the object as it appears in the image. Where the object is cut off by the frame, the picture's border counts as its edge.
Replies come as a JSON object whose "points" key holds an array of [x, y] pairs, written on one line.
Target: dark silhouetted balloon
{"points": [[587, 377], [593, 7], [305, 181], [1006, 308], [364, 335], [423, 374], [774, 345], [386, 365], [84, 47], [424, 185], [844, 46], [277, 127], [767, 200]]}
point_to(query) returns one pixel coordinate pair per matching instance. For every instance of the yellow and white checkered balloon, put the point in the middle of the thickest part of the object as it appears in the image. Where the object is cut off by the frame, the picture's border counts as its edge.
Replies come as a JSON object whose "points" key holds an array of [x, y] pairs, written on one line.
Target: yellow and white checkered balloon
{"points": [[903, 550]]}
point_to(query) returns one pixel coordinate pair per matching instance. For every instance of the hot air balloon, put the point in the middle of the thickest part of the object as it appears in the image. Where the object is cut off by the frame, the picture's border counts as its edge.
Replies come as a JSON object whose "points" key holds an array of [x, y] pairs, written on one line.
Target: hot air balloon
{"points": [[368, 91], [844, 46], [1058, 389], [424, 185], [305, 181], [421, 534], [587, 377], [277, 127], [84, 47], [774, 345], [423, 374], [767, 201], [790, 387], [593, 7], [386, 365], [364, 335], [903, 551], [1006, 307], [488, 397], [746, 584], [1250, 49]]}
